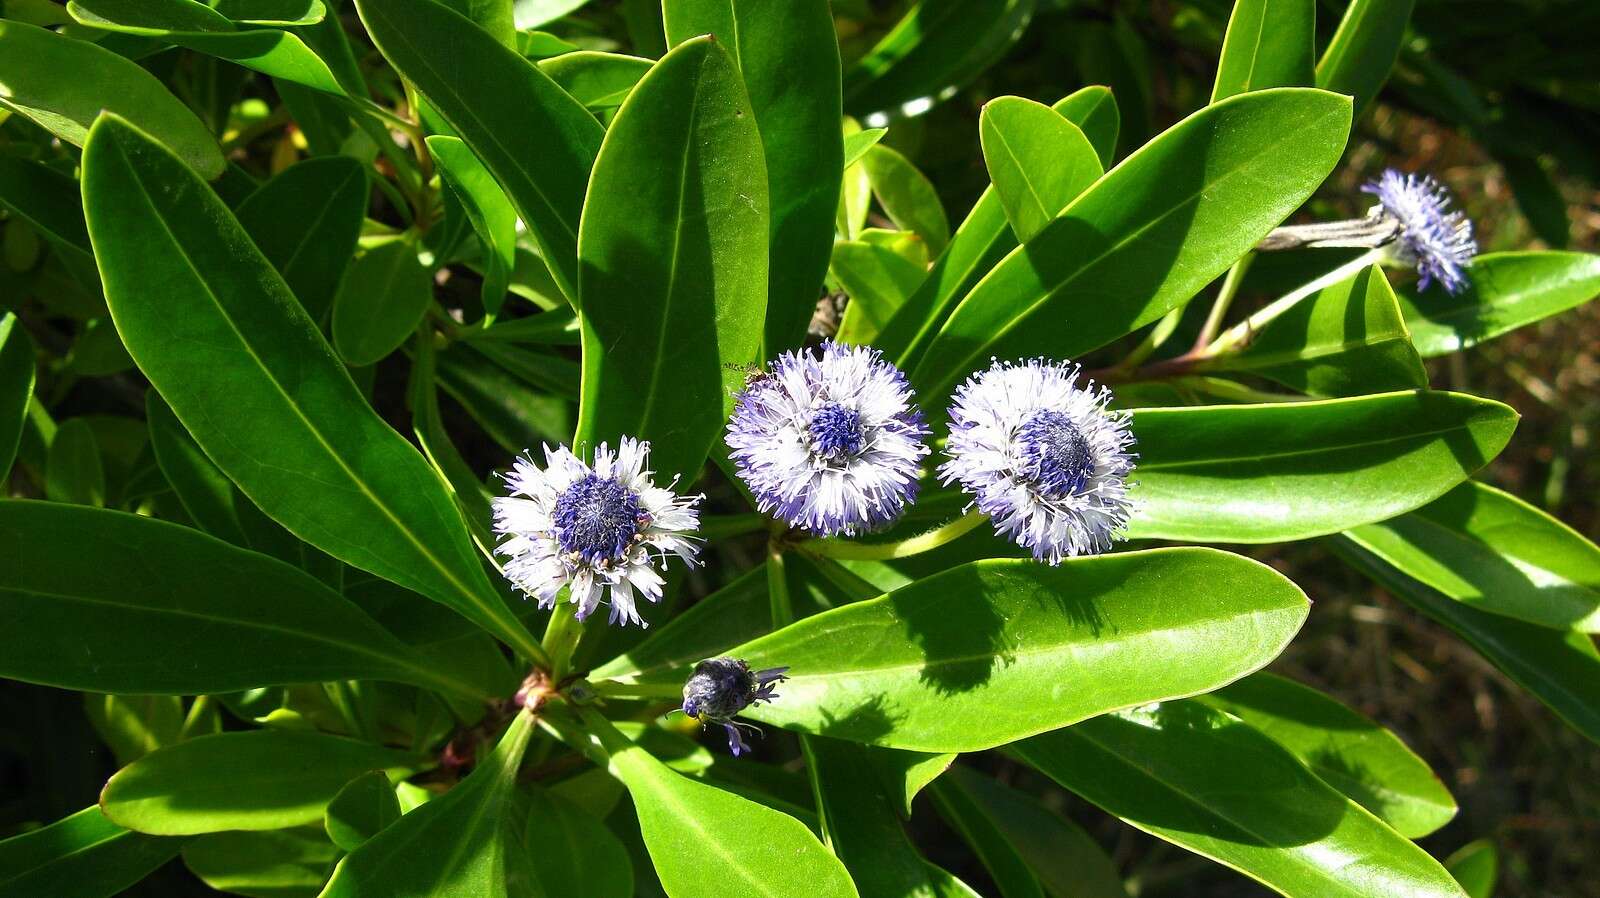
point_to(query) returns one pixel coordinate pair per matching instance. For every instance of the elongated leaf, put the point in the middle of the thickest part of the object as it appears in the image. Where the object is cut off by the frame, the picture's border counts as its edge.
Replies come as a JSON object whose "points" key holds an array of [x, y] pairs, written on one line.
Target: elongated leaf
{"points": [[492, 217], [16, 386], [1264, 473], [1208, 782], [878, 272], [1476, 865], [84, 855], [537, 140], [1363, 50], [306, 221], [280, 863], [1505, 292], [273, 12], [858, 143], [1560, 668], [1039, 162], [907, 196], [47, 200], [494, 16], [673, 251], [83, 579], [457, 844], [789, 58], [62, 84], [1494, 552], [1346, 340], [1344, 749], [256, 780], [135, 725], [573, 854], [383, 297], [74, 472], [209, 497], [1066, 860], [1270, 43], [600, 81], [360, 810], [1094, 110], [1144, 238], [976, 656], [1004, 863], [226, 334]]}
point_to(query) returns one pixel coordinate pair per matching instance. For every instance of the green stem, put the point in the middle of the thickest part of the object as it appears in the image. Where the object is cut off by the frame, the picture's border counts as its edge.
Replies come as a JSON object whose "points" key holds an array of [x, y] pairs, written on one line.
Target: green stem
{"points": [[1153, 340], [561, 637], [1225, 295], [1222, 388], [916, 545], [1243, 332], [621, 689], [196, 718], [778, 588]]}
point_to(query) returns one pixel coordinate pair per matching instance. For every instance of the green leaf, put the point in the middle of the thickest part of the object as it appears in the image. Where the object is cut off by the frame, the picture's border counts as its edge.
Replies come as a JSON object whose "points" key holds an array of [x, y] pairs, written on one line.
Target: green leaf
{"points": [[62, 84], [757, 851], [135, 725], [16, 386], [1271, 472], [906, 773], [1561, 669], [993, 847], [1538, 197], [600, 81], [857, 144], [673, 255], [74, 472], [493, 219], [457, 844], [537, 140], [1066, 860], [864, 829], [282, 863], [380, 303], [306, 221], [1270, 43], [86, 578], [1039, 162], [513, 415], [271, 51], [497, 17], [533, 13], [1094, 110], [84, 855], [1505, 292], [788, 55], [225, 333], [907, 196], [1210, 783], [211, 500], [975, 656], [1494, 552], [878, 272], [254, 780], [272, 12], [1346, 340], [1148, 235], [1363, 50], [1476, 865], [48, 201], [731, 615], [98, 351], [1344, 749], [361, 810], [575, 855]]}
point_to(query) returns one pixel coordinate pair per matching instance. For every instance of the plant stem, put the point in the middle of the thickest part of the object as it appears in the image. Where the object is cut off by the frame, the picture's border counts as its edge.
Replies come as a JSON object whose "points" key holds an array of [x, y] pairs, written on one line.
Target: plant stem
{"points": [[778, 588], [916, 545], [561, 637], [1241, 334], [620, 689], [1219, 308], [196, 717]]}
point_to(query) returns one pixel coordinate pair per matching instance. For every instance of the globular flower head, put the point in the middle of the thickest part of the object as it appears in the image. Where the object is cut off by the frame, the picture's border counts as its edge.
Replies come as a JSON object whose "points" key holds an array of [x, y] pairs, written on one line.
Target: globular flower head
{"points": [[1042, 457], [829, 440], [1435, 239], [603, 532], [720, 688]]}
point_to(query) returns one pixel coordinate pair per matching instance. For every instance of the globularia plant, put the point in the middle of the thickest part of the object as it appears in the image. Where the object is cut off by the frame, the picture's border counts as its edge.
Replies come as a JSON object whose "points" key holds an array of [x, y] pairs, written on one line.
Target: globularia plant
{"points": [[831, 552]]}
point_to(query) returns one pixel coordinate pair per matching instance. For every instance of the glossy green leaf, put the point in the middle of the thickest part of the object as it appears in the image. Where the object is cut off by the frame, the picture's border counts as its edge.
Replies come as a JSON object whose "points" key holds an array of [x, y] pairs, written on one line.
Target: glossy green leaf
{"points": [[48, 201], [1094, 110], [272, 12], [1476, 865], [1148, 235], [360, 810], [306, 221], [533, 13], [1560, 668], [537, 140], [673, 256], [1494, 552], [979, 655], [254, 780], [1208, 782], [1039, 162], [907, 196], [877, 272], [497, 17], [600, 81], [460, 843], [380, 303], [135, 725], [84, 855], [907, 773], [62, 84], [1271, 472], [227, 334], [757, 851], [788, 56], [1364, 48], [1346, 340], [1344, 749], [16, 386], [280, 863], [271, 51], [1066, 860], [238, 619], [74, 472], [1270, 43], [493, 219], [1505, 291], [574, 855], [858, 143]]}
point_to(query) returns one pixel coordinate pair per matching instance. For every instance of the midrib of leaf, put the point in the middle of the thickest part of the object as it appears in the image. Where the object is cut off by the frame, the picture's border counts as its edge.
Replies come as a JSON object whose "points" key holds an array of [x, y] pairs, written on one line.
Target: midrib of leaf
{"points": [[1033, 306], [1299, 453], [82, 849], [1343, 41], [1038, 201], [316, 222]]}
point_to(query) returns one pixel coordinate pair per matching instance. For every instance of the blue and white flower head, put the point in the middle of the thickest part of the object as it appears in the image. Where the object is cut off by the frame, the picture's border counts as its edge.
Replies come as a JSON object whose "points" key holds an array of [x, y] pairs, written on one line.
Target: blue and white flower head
{"points": [[719, 688], [829, 441], [1433, 238], [1042, 457], [600, 530]]}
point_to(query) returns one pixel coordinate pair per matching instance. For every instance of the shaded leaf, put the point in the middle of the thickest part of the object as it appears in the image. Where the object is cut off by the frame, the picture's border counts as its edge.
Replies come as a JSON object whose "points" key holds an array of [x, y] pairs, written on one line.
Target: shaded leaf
{"points": [[282, 863], [572, 854], [16, 386], [74, 472], [1505, 291], [381, 301], [600, 81], [907, 196], [1364, 48], [84, 855], [306, 221], [360, 810]]}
